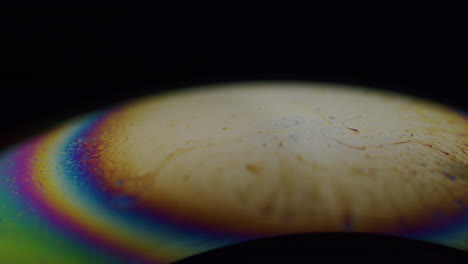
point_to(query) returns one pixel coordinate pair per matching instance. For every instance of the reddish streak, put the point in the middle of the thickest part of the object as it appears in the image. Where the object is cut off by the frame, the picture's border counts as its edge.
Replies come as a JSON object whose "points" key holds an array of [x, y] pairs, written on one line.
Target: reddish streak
{"points": [[397, 143], [350, 128]]}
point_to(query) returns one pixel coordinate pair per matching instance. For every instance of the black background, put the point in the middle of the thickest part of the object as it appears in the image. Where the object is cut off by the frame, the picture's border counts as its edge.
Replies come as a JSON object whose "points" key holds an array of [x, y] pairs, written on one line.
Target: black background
{"points": [[56, 64]]}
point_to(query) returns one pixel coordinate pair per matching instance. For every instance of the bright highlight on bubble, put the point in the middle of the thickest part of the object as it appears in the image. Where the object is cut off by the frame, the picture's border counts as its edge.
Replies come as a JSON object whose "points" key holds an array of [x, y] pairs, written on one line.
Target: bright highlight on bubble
{"points": [[169, 176]]}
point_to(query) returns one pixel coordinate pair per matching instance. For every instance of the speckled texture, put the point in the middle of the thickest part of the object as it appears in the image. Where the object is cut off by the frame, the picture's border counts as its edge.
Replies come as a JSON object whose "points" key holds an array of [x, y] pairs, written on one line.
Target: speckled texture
{"points": [[162, 178]]}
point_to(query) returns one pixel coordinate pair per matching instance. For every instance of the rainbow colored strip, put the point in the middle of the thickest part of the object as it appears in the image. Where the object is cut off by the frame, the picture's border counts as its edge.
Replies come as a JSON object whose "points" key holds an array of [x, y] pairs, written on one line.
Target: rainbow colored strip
{"points": [[54, 208]]}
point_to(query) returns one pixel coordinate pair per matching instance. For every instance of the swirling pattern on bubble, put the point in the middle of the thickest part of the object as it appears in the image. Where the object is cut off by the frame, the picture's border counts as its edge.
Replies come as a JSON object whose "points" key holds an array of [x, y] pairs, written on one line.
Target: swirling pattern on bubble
{"points": [[69, 191]]}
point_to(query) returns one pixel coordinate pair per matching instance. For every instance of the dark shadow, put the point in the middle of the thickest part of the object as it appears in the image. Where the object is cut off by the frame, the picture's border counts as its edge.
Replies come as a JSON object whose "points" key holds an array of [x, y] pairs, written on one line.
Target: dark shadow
{"points": [[331, 248]]}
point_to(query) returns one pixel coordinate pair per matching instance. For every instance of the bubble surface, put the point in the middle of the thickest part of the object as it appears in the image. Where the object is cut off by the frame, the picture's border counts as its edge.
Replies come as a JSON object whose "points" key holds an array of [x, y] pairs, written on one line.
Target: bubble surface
{"points": [[165, 177]]}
